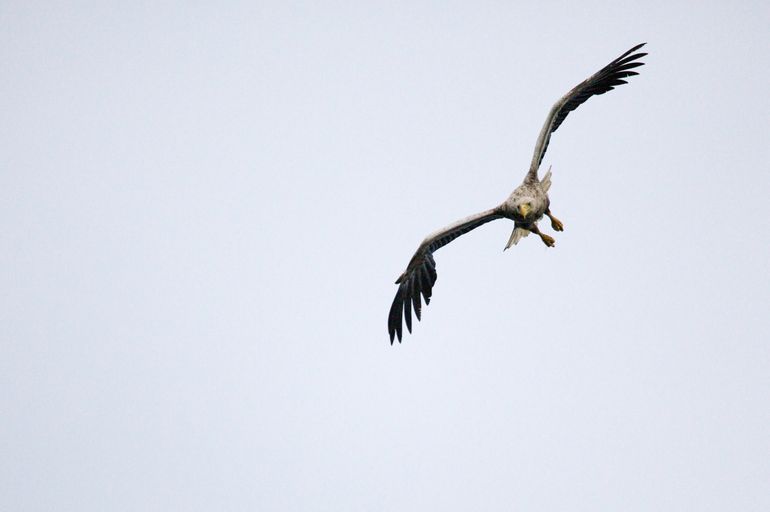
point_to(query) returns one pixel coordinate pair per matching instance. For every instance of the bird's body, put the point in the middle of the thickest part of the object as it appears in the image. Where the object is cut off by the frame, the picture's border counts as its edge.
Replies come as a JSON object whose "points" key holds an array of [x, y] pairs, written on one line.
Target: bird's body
{"points": [[526, 205]]}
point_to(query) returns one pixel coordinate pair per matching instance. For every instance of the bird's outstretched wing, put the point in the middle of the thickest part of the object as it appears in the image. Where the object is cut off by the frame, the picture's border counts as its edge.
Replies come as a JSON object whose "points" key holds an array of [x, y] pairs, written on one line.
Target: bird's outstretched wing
{"points": [[420, 275], [604, 80]]}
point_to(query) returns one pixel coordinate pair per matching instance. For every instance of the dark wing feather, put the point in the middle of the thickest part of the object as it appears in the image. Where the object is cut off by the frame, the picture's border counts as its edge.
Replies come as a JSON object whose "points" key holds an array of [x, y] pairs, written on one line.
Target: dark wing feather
{"points": [[606, 79], [420, 275]]}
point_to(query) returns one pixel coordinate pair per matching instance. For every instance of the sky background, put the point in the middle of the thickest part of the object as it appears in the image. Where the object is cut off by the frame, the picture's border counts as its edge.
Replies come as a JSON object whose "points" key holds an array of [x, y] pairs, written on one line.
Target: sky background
{"points": [[203, 209]]}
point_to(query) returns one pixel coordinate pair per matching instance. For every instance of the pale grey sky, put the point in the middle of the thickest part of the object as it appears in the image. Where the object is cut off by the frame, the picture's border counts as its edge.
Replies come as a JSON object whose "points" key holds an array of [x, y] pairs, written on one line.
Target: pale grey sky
{"points": [[203, 210]]}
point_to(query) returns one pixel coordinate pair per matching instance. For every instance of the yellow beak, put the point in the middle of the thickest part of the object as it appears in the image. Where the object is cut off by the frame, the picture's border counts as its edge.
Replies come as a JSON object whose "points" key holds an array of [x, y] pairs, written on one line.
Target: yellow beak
{"points": [[524, 209]]}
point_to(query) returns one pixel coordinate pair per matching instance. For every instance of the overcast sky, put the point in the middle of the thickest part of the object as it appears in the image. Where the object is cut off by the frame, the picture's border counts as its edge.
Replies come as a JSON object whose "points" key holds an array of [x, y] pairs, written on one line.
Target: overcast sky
{"points": [[203, 209]]}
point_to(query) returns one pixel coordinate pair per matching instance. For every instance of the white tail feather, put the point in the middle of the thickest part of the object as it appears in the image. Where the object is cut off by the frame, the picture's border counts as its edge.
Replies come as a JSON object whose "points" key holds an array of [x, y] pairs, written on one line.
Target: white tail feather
{"points": [[516, 235]]}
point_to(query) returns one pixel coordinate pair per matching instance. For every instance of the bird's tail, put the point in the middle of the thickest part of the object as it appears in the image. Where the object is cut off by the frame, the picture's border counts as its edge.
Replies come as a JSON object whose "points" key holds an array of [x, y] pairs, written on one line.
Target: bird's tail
{"points": [[546, 181], [516, 235]]}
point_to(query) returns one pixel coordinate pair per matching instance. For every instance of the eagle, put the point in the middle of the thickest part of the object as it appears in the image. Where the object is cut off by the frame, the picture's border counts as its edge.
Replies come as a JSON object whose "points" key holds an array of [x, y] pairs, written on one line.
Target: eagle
{"points": [[526, 205]]}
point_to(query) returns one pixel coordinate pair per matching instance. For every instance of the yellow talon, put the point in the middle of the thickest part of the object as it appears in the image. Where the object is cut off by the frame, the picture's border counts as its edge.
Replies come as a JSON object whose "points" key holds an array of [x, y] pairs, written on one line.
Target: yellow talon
{"points": [[555, 223]]}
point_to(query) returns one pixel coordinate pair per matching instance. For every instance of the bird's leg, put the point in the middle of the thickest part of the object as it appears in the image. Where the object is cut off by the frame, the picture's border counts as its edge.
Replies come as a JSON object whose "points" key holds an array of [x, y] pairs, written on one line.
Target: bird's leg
{"points": [[547, 240], [555, 223]]}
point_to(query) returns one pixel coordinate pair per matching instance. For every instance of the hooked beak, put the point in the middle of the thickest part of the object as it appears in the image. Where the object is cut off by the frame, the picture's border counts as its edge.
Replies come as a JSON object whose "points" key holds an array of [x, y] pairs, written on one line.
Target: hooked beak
{"points": [[524, 209]]}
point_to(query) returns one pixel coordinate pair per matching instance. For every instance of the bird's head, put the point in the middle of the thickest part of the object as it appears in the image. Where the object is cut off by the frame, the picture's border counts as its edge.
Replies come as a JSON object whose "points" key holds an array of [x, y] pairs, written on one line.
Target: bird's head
{"points": [[524, 207]]}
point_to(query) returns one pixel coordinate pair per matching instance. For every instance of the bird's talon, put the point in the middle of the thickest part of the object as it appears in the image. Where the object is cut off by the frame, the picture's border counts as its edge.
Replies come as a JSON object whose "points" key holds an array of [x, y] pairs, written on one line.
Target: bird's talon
{"points": [[547, 240]]}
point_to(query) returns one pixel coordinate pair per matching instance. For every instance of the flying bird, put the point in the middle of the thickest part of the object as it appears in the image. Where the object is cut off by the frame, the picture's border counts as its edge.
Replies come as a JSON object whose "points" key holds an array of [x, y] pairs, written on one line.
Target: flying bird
{"points": [[525, 206]]}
